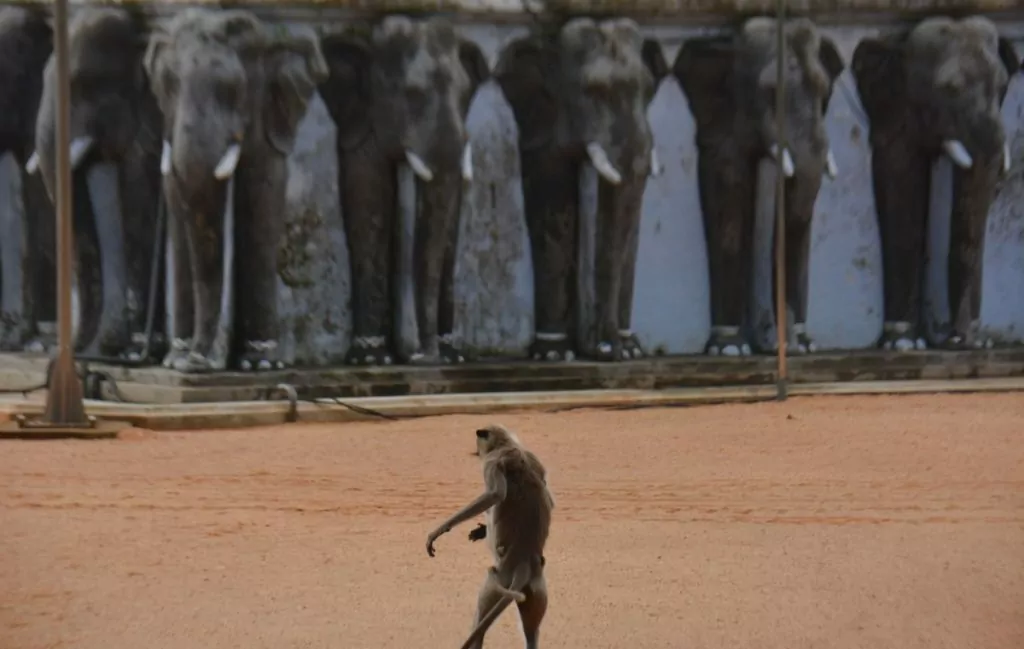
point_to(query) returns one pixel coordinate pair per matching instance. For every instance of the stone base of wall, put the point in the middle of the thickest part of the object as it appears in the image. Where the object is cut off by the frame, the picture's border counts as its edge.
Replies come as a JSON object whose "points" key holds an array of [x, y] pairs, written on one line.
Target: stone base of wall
{"points": [[158, 385]]}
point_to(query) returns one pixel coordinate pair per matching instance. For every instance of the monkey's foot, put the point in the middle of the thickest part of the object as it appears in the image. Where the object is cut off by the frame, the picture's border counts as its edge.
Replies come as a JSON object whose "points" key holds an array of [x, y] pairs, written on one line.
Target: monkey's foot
{"points": [[369, 350], [137, 352], [178, 352], [727, 341], [261, 356], [804, 344], [630, 345], [899, 336], [450, 354], [551, 347]]}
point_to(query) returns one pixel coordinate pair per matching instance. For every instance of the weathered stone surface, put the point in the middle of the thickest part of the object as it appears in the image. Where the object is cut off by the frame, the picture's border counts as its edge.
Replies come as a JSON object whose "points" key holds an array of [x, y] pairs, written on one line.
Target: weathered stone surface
{"points": [[494, 290], [313, 265]]}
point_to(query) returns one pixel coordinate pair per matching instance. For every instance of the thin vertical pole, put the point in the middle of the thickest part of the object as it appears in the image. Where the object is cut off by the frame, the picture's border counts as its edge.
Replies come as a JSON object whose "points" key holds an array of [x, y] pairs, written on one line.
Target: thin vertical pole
{"points": [[64, 405], [780, 200]]}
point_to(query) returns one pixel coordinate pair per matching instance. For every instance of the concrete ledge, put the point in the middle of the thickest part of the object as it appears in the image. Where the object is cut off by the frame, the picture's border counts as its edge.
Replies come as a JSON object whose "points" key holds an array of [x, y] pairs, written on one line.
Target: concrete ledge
{"points": [[261, 413], [160, 386]]}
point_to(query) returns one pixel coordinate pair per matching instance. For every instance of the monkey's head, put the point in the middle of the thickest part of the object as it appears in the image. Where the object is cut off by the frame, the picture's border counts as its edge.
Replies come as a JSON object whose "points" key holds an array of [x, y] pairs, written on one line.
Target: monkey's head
{"points": [[492, 437]]}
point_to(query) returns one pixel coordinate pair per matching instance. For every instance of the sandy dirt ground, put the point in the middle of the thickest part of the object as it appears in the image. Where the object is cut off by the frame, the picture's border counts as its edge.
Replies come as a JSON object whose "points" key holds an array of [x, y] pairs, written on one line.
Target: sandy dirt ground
{"points": [[840, 523]]}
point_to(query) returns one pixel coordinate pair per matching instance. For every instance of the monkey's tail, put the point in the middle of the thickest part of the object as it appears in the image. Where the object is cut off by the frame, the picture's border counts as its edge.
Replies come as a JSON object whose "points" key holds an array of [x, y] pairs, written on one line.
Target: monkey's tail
{"points": [[487, 621], [523, 576]]}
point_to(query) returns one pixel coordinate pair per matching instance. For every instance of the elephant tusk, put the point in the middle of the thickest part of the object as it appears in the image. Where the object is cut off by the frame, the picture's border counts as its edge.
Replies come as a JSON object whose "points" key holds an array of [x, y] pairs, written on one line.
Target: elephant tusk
{"points": [[788, 169], [165, 159], [419, 167], [956, 150], [600, 160], [80, 147], [228, 162], [1007, 161], [32, 165], [656, 167], [831, 168], [467, 163]]}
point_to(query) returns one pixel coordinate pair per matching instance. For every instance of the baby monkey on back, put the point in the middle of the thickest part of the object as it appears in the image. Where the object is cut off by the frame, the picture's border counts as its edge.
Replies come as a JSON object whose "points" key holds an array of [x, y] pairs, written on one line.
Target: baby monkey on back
{"points": [[517, 507]]}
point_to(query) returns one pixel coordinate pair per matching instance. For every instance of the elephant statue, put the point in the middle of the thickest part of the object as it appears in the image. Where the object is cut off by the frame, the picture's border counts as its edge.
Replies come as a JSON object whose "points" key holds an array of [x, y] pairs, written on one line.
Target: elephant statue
{"points": [[399, 91], [580, 94], [934, 91], [114, 159], [730, 83], [232, 91], [26, 221]]}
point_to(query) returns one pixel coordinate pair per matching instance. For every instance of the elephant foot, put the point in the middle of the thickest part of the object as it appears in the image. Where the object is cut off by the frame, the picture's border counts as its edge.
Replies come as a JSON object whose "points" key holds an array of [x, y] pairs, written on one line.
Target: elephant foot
{"points": [[727, 341], [450, 354], [369, 350], [136, 352], [630, 347], [609, 350], [804, 344], [196, 363], [261, 356], [178, 352], [900, 336], [551, 347], [12, 332], [113, 341], [971, 340], [39, 346]]}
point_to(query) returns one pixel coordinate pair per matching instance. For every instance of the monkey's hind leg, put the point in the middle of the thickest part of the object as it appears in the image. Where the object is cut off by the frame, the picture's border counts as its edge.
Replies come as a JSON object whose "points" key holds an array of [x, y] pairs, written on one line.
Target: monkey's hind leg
{"points": [[492, 601], [516, 595], [531, 612]]}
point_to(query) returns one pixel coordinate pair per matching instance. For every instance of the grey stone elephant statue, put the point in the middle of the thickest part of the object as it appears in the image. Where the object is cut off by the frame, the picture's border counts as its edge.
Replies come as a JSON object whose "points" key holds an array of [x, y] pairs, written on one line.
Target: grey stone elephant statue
{"points": [[27, 279], [934, 91], [399, 92], [115, 154], [731, 83], [580, 94], [233, 91]]}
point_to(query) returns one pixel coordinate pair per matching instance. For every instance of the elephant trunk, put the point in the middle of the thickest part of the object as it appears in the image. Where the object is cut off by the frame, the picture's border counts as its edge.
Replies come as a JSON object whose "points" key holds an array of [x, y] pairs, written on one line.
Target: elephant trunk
{"points": [[201, 154], [445, 150], [119, 304]]}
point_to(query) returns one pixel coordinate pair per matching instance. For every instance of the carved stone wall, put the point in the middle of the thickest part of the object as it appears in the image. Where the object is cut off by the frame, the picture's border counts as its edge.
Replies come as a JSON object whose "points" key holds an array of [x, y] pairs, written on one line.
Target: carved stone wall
{"points": [[494, 285]]}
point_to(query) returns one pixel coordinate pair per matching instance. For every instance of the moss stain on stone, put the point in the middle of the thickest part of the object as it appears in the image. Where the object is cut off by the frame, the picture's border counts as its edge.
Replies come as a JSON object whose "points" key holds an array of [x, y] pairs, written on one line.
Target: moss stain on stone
{"points": [[297, 252]]}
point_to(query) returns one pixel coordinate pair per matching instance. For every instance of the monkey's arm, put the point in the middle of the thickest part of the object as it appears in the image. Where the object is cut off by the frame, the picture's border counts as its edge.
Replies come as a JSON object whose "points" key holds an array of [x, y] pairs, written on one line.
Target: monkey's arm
{"points": [[496, 490]]}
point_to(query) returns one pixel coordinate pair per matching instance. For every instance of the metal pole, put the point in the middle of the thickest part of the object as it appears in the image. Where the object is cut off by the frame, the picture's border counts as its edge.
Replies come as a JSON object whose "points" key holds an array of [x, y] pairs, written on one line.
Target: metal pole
{"points": [[780, 200], [64, 406]]}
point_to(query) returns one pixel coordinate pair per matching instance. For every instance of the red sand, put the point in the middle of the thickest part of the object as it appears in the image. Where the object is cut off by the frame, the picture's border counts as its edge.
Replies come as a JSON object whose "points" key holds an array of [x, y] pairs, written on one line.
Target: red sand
{"points": [[845, 522]]}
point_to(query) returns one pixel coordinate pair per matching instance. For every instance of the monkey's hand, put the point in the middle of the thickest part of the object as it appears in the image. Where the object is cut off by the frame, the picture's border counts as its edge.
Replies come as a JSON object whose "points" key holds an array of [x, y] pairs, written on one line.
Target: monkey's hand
{"points": [[478, 533], [433, 536]]}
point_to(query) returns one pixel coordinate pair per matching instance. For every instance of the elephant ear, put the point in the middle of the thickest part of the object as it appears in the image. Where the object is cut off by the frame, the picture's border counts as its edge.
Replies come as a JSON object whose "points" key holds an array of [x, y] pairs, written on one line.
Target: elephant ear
{"points": [[704, 69], [1013, 63], [527, 74], [475, 64], [158, 65], [347, 89], [832, 61], [877, 68], [654, 59], [294, 66]]}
